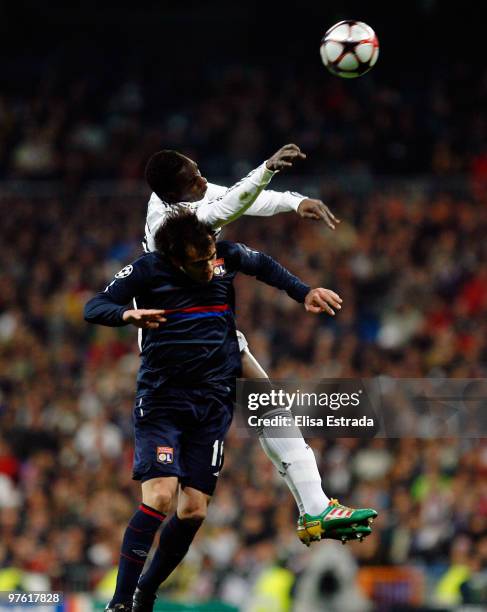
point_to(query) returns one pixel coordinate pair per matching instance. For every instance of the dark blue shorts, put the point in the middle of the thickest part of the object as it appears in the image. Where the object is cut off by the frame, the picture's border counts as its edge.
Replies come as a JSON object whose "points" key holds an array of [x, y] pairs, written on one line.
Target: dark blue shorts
{"points": [[181, 434]]}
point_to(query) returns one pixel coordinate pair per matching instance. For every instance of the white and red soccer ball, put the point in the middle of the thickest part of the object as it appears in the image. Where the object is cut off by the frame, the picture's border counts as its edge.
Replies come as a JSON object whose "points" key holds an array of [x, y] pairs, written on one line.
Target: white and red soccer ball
{"points": [[349, 49]]}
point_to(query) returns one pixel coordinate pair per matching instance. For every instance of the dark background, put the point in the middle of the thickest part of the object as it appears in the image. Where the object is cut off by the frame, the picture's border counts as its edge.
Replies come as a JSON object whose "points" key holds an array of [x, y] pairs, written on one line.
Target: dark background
{"points": [[418, 38]]}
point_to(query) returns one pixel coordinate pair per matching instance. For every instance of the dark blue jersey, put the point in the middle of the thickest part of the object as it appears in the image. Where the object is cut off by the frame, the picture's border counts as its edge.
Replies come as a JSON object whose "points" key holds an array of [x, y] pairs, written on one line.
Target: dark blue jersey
{"points": [[197, 345]]}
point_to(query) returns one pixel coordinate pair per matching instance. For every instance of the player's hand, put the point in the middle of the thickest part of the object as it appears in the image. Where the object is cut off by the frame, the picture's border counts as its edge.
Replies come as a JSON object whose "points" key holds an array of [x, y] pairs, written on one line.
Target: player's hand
{"points": [[285, 157], [315, 209], [322, 300], [145, 318]]}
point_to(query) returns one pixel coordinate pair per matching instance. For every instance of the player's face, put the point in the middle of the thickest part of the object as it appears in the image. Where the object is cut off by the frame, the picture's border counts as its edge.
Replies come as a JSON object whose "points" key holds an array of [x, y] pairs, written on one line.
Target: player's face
{"points": [[199, 266], [193, 186]]}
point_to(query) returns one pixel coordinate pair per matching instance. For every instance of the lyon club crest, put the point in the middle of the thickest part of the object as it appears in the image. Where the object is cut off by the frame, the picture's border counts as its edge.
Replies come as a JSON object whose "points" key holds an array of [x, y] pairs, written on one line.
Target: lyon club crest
{"points": [[219, 267], [165, 454]]}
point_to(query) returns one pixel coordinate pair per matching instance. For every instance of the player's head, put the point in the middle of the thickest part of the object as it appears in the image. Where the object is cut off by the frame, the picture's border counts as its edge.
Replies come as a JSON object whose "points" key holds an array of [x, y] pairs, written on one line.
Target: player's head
{"points": [[188, 243], [174, 177]]}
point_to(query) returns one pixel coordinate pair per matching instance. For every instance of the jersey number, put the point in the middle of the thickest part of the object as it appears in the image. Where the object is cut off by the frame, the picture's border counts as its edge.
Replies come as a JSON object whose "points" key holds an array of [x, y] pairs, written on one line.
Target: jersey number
{"points": [[217, 458]]}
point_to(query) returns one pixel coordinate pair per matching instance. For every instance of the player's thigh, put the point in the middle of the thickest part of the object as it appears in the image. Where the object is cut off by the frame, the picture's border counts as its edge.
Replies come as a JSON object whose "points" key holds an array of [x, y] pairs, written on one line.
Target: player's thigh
{"points": [[203, 444], [192, 504], [160, 493], [251, 368], [158, 428]]}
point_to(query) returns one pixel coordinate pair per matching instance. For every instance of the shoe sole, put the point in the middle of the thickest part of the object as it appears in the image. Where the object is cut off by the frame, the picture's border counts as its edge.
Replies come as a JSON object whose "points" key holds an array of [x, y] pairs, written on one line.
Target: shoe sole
{"points": [[314, 531]]}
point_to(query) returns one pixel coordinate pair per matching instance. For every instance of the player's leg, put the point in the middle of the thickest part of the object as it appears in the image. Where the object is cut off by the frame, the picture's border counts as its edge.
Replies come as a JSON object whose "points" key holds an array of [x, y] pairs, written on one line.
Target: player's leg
{"points": [[292, 457], [320, 517], [174, 542], [157, 466], [158, 497], [209, 415]]}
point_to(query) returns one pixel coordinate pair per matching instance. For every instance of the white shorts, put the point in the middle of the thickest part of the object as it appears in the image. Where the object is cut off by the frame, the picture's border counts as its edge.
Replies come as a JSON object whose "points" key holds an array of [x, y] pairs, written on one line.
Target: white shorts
{"points": [[242, 341]]}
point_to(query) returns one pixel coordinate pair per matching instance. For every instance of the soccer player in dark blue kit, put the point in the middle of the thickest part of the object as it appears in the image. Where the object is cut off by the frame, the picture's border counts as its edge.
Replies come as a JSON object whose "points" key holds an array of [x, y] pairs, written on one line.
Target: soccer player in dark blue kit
{"points": [[184, 307]]}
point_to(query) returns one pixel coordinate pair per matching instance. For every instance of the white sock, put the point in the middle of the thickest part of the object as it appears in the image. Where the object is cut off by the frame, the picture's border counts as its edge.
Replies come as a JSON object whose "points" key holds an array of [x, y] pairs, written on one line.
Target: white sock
{"points": [[296, 462]]}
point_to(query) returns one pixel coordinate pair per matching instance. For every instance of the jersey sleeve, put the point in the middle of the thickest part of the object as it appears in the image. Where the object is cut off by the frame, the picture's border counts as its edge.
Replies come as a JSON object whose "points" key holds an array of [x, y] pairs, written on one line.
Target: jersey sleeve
{"points": [[236, 199], [108, 306], [267, 270], [270, 203]]}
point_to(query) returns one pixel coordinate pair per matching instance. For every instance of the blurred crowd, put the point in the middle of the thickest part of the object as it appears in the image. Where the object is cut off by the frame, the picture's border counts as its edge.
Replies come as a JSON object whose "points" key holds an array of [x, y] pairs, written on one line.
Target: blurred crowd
{"points": [[410, 267], [105, 123]]}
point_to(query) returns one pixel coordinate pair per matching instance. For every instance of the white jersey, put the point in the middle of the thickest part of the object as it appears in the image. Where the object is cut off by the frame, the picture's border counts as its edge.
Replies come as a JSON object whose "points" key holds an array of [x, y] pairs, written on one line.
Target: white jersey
{"points": [[221, 205]]}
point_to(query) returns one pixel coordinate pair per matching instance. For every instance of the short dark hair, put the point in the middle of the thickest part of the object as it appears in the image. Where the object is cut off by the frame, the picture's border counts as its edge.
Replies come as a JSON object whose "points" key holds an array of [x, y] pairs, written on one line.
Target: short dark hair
{"points": [[182, 229], [161, 171]]}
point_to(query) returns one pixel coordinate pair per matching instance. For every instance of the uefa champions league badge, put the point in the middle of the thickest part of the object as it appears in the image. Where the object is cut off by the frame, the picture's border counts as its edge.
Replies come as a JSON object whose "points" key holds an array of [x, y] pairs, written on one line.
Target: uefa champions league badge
{"points": [[219, 267], [124, 272], [165, 454]]}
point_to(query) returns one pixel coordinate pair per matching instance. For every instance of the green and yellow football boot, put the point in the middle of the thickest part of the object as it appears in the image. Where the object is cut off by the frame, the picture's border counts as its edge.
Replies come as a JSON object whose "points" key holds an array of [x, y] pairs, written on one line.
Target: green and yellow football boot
{"points": [[336, 522]]}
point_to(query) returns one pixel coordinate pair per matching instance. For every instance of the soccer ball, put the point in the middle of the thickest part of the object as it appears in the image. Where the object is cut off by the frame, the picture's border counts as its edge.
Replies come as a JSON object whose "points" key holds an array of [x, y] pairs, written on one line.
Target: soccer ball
{"points": [[349, 49]]}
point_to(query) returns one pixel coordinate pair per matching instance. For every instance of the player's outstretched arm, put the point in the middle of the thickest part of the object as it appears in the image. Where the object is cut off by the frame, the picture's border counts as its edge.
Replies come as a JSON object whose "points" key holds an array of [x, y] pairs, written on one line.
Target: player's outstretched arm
{"points": [[270, 203], [237, 199], [269, 271], [111, 307], [103, 310]]}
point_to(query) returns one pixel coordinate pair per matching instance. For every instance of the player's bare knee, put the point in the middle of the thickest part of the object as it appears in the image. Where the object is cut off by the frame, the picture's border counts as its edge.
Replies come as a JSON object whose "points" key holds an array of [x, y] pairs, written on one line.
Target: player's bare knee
{"points": [[195, 514], [159, 494], [161, 501], [193, 505]]}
